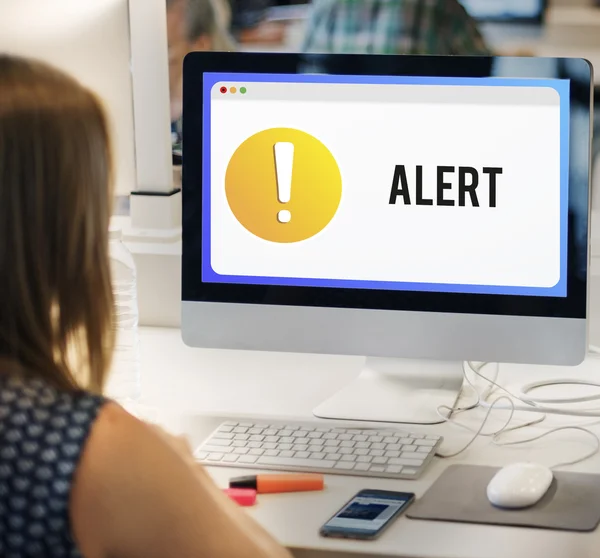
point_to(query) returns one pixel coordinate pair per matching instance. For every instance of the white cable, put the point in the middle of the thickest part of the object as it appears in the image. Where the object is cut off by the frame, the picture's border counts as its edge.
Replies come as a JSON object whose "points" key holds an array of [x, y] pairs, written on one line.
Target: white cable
{"points": [[532, 407], [554, 431]]}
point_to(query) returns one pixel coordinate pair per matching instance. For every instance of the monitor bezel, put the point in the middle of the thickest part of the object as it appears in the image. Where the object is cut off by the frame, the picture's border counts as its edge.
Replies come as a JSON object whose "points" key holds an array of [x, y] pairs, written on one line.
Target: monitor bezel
{"points": [[194, 289]]}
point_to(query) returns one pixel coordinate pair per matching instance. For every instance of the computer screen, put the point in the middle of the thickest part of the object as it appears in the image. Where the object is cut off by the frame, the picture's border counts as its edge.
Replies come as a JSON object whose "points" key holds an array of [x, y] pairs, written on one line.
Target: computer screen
{"points": [[390, 206], [450, 185], [509, 10]]}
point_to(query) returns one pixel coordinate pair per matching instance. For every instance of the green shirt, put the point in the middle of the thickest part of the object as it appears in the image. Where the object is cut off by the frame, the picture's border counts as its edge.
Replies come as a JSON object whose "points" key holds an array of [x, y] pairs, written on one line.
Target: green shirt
{"points": [[392, 27]]}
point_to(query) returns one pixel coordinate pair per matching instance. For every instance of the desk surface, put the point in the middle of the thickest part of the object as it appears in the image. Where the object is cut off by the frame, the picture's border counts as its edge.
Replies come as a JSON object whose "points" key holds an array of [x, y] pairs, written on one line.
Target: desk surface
{"points": [[185, 389]]}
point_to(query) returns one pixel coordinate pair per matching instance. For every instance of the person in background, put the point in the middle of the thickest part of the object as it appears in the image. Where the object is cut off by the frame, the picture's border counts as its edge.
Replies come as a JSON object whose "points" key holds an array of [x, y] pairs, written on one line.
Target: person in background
{"points": [[250, 25], [78, 475], [392, 27], [192, 25]]}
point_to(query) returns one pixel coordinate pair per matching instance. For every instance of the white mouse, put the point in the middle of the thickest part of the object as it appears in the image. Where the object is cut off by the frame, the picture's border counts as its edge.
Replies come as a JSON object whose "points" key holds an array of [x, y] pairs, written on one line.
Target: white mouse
{"points": [[519, 485]]}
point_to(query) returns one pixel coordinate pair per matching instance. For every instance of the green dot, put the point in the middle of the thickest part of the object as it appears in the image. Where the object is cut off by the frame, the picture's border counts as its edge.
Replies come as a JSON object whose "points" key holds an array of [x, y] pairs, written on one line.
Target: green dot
{"points": [[242, 90]]}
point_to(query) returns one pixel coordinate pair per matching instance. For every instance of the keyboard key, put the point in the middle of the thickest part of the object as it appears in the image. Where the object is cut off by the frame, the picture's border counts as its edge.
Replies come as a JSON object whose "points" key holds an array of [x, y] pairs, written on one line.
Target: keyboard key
{"points": [[285, 433], [240, 430], [348, 444], [216, 449], [345, 451], [256, 438], [241, 451], [254, 445], [394, 469], [223, 436], [377, 469], [332, 443], [390, 440], [270, 432], [269, 445], [256, 452], [318, 455], [255, 431], [362, 467], [218, 442], [300, 447], [285, 447], [344, 465], [360, 451], [405, 462], [315, 434], [412, 455], [202, 455], [330, 436], [232, 458], [375, 439], [363, 445], [333, 456], [285, 462], [302, 454], [318, 443], [226, 429], [393, 447], [379, 460], [250, 459], [300, 434], [392, 454], [350, 458], [359, 438], [286, 454], [287, 440], [424, 450], [378, 446], [407, 441], [364, 459], [429, 443], [215, 456], [242, 437], [344, 437], [272, 453], [272, 439], [376, 453]]}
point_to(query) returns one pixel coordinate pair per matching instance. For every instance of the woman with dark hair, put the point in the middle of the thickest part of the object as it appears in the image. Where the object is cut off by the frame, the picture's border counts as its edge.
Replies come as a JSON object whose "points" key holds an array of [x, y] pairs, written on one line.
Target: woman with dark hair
{"points": [[78, 475]]}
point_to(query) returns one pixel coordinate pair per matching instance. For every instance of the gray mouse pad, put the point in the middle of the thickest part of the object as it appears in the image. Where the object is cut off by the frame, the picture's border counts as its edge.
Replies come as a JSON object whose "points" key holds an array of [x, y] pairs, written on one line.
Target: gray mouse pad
{"points": [[459, 495]]}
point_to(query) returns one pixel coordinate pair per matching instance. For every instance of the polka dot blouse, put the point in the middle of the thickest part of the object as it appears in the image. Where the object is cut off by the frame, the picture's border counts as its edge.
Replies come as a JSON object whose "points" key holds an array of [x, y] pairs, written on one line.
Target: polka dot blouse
{"points": [[42, 434]]}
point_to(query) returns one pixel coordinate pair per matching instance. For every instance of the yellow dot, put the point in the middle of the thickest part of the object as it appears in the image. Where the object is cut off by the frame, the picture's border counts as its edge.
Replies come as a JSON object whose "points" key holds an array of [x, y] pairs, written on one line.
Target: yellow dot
{"points": [[232, 89], [251, 186]]}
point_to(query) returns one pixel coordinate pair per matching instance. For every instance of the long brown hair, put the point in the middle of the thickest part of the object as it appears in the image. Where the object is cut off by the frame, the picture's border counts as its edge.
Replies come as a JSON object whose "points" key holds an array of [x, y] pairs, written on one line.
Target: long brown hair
{"points": [[56, 304]]}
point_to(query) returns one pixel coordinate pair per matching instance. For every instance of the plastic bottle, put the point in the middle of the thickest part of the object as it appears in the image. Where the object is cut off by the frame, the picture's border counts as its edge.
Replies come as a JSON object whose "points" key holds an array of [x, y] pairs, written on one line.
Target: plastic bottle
{"points": [[124, 382]]}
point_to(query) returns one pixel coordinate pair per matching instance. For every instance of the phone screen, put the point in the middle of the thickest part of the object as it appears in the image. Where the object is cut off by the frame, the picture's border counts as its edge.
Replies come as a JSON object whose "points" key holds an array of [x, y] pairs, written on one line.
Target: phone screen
{"points": [[367, 513]]}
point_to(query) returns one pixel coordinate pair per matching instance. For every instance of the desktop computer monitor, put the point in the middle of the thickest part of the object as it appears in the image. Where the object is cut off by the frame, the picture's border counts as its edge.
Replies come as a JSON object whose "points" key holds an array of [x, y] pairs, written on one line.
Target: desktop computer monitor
{"points": [[118, 49], [89, 40], [420, 211]]}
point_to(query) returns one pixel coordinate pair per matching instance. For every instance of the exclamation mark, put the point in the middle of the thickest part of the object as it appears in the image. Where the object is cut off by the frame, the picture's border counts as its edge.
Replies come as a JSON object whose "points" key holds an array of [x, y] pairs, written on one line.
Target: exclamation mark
{"points": [[284, 163]]}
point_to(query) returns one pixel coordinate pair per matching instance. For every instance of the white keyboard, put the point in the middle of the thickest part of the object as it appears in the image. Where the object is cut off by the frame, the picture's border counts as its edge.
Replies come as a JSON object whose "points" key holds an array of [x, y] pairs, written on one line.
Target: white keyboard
{"points": [[372, 452]]}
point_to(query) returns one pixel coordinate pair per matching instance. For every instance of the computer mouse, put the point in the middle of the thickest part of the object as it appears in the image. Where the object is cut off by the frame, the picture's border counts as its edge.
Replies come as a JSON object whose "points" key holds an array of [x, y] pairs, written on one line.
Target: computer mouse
{"points": [[520, 485]]}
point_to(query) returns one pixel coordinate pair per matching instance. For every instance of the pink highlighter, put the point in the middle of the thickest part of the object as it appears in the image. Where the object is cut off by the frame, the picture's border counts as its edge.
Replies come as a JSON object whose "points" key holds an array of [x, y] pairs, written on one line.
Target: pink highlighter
{"points": [[243, 496]]}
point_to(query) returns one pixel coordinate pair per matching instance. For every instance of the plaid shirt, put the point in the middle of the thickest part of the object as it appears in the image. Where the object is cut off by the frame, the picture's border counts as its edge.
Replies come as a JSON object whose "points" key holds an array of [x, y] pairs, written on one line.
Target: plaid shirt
{"points": [[392, 27]]}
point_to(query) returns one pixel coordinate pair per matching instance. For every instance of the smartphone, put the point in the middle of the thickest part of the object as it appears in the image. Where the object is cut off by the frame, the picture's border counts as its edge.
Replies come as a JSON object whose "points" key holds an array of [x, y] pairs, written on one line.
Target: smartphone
{"points": [[367, 514]]}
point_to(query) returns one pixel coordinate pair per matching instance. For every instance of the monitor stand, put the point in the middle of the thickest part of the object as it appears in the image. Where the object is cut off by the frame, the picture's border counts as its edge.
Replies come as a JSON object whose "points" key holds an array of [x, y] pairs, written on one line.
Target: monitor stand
{"points": [[398, 391]]}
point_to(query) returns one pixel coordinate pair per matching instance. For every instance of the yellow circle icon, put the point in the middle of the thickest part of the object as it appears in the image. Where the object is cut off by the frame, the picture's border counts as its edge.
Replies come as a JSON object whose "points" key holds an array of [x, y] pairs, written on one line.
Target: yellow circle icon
{"points": [[283, 185]]}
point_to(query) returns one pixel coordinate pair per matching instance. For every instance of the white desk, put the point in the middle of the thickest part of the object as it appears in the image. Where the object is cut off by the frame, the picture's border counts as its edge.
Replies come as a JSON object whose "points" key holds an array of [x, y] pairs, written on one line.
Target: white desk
{"points": [[183, 384]]}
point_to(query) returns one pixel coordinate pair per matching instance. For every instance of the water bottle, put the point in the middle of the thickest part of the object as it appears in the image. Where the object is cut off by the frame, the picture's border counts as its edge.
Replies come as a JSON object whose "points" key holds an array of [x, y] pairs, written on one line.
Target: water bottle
{"points": [[124, 384]]}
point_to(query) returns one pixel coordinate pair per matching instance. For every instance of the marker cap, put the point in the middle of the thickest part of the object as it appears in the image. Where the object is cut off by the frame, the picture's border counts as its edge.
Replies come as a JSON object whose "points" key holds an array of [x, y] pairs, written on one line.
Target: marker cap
{"points": [[243, 496]]}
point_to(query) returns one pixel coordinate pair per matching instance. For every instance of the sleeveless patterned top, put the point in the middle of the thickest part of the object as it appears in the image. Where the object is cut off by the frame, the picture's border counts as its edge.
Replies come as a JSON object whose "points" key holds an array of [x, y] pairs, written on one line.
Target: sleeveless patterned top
{"points": [[42, 434]]}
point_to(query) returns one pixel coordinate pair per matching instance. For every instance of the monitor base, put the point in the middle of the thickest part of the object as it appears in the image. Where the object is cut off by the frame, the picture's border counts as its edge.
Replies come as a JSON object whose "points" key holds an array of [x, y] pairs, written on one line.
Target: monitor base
{"points": [[397, 391]]}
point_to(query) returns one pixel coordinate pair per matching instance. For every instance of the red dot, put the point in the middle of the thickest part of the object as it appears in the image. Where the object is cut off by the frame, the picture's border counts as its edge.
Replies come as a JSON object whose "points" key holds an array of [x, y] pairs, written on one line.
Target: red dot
{"points": [[223, 90]]}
